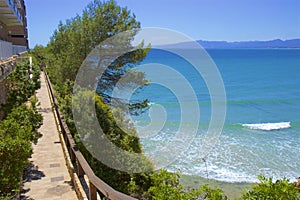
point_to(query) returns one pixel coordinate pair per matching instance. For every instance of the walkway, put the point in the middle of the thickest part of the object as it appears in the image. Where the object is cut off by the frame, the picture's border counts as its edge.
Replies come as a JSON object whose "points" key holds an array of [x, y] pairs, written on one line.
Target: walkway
{"points": [[48, 177]]}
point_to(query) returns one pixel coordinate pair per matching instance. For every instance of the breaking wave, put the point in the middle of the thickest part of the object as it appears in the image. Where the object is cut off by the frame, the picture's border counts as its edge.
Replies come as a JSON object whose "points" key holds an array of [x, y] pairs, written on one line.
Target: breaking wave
{"points": [[268, 126]]}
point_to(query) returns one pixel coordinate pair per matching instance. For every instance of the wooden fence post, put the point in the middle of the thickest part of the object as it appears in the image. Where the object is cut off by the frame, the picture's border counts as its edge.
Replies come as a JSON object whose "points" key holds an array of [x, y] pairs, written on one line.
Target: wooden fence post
{"points": [[93, 191], [72, 154], [80, 171]]}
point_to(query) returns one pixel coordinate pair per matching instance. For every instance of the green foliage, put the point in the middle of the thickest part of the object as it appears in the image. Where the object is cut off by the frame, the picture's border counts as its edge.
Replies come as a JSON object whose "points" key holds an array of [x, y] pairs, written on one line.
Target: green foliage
{"points": [[19, 128], [69, 46], [76, 38], [23, 122], [17, 132], [134, 184], [166, 187], [40, 56], [14, 154], [128, 140], [67, 49], [20, 85], [63, 56], [267, 189], [205, 192]]}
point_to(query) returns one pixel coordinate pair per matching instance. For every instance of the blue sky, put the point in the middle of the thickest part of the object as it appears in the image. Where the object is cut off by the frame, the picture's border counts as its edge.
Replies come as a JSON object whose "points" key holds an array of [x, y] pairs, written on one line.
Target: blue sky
{"points": [[230, 20]]}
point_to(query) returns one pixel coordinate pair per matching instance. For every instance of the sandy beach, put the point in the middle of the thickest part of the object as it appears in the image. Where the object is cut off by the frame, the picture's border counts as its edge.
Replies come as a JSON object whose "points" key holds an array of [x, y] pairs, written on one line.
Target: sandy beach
{"points": [[231, 190]]}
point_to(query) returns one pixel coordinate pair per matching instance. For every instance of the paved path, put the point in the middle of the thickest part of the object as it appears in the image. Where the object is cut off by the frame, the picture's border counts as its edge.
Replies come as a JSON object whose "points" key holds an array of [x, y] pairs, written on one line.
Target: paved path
{"points": [[48, 178]]}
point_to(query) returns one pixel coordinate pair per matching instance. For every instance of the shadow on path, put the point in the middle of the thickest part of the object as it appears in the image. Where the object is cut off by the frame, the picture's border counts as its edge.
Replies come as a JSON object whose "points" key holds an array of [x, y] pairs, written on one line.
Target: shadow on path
{"points": [[31, 173]]}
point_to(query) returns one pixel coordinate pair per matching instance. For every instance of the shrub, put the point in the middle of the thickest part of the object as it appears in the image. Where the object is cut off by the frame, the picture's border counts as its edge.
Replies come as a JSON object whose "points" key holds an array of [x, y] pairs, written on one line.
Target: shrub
{"points": [[23, 122], [267, 189], [17, 132], [14, 154], [20, 85], [19, 128], [134, 184], [166, 187]]}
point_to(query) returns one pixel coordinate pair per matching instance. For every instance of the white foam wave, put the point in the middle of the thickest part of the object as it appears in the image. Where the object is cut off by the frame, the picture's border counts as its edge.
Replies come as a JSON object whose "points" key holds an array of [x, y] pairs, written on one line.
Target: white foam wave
{"points": [[151, 104], [268, 126]]}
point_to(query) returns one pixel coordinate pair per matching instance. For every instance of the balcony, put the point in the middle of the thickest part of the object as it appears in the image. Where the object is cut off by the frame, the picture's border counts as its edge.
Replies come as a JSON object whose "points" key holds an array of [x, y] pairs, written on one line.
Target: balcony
{"points": [[9, 13], [18, 3]]}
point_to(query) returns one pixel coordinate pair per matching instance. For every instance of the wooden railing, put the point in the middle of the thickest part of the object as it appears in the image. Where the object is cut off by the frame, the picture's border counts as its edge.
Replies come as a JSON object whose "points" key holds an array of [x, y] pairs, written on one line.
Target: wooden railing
{"points": [[82, 167]]}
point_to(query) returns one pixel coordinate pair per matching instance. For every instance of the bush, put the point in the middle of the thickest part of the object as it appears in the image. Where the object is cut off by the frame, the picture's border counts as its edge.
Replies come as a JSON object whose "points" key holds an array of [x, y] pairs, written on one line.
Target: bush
{"points": [[134, 184], [14, 154], [23, 122], [17, 132], [267, 189], [19, 128], [166, 187], [20, 85]]}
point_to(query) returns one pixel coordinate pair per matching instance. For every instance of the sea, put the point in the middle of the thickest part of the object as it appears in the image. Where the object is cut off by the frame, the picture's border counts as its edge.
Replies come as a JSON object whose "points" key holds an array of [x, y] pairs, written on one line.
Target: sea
{"points": [[261, 132]]}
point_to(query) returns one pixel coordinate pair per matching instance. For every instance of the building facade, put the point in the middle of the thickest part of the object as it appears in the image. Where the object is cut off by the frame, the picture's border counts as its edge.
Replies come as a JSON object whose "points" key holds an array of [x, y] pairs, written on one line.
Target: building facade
{"points": [[13, 28]]}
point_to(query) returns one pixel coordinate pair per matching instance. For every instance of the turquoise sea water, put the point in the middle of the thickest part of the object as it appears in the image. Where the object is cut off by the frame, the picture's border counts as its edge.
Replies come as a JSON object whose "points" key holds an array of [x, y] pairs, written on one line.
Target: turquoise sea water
{"points": [[261, 134]]}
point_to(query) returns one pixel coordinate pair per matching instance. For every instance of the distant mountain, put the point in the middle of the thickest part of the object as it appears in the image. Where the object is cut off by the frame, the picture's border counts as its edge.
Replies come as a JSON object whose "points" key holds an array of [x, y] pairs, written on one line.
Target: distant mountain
{"points": [[294, 43]]}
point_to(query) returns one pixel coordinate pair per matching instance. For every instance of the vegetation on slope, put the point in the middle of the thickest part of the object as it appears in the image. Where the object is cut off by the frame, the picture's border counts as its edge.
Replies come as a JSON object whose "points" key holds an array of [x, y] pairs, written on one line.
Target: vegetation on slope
{"points": [[63, 56], [19, 128], [269, 189]]}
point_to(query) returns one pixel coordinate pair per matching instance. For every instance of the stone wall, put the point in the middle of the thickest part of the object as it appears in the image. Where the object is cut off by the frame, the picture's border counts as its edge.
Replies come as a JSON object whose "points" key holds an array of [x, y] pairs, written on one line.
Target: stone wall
{"points": [[7, 66]]}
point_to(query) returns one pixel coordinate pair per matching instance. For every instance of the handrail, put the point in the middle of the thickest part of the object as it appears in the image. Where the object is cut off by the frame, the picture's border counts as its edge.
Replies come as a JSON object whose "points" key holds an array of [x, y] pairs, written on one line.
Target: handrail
{"points": [[82, 166]]}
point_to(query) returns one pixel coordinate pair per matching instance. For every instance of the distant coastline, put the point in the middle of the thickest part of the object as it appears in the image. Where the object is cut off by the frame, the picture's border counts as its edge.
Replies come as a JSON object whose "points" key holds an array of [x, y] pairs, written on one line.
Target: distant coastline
{"points": [[270, 44]]}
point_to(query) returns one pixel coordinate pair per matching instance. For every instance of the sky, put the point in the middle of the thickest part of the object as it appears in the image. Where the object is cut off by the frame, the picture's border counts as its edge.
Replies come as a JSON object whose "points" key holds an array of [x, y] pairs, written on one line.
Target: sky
{"points": [[214, 20]]}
